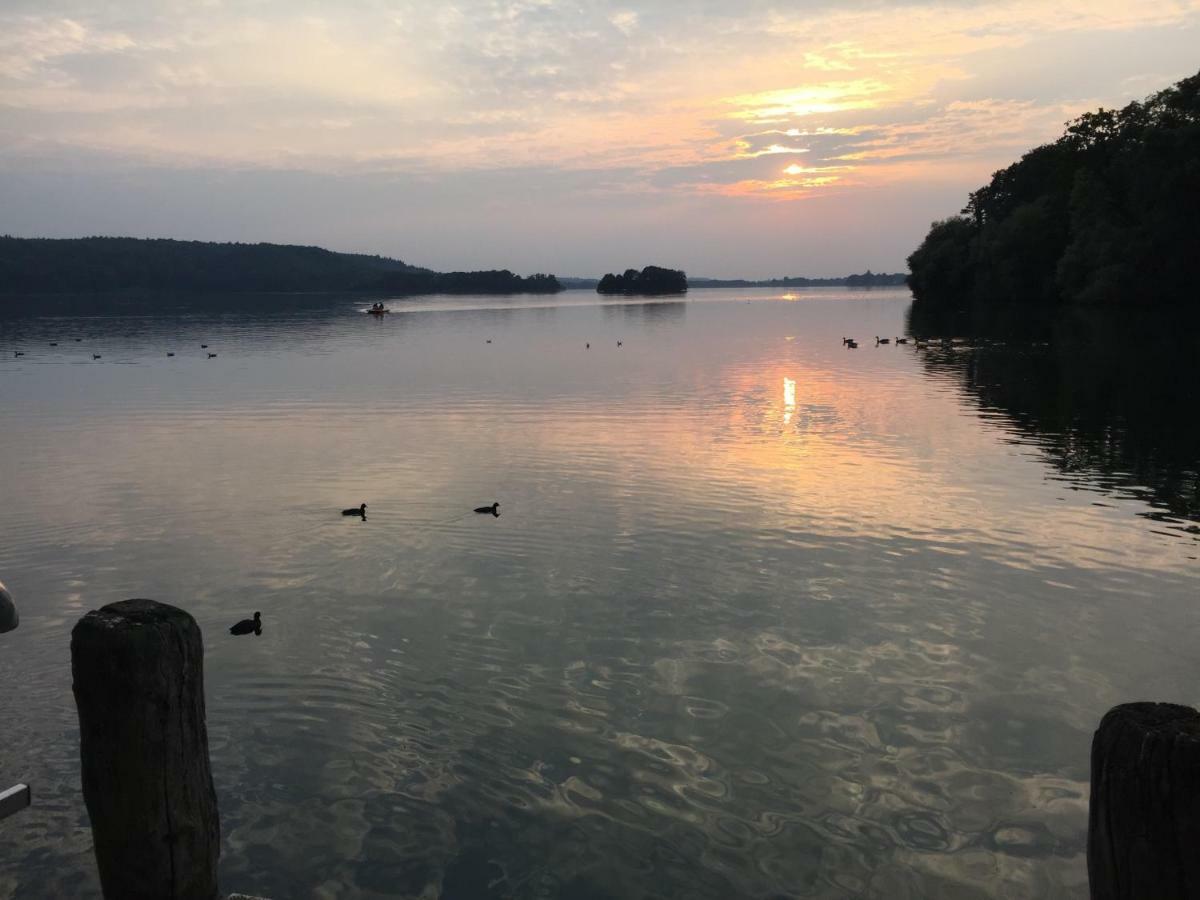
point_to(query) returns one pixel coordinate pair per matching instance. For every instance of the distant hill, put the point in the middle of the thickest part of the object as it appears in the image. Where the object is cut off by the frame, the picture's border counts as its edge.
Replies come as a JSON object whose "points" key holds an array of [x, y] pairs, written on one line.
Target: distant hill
{"points": [[576, 283], [105, 264], [1107, 214], [651, 281]]}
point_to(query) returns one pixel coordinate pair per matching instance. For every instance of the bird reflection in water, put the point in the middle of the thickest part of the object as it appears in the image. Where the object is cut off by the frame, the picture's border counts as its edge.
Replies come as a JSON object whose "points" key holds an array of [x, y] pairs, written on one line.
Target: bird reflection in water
{"points": [[248, 625]]}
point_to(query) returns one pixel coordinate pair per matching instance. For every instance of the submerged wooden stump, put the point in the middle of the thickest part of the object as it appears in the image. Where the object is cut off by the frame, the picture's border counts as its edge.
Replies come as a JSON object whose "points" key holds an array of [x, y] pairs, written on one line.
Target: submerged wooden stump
{"points": [[1144, 820], [138, 671]]}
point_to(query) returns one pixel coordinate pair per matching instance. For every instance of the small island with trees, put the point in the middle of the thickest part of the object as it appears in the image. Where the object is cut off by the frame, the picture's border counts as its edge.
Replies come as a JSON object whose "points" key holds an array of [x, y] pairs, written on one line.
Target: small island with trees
{"points": [[651, 281], [1107, 215]]}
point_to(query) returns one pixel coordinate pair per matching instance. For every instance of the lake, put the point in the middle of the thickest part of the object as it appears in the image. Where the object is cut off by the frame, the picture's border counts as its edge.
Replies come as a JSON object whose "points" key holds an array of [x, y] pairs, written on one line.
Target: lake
{"points": [[761, 616]]}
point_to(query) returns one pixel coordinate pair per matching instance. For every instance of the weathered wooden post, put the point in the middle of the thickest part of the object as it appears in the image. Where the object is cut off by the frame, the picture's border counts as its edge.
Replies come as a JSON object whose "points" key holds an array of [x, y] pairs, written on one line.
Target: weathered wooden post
{"points": [[138, 671], [1144, 821]]}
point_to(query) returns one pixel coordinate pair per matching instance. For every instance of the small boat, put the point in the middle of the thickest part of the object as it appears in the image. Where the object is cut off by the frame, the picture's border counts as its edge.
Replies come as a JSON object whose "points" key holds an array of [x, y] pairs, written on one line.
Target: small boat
{"points": [[378, 311]]}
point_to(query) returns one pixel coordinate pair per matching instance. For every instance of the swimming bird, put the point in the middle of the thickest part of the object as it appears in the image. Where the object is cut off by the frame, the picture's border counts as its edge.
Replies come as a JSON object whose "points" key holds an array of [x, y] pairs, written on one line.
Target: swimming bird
{"points": [[618, 343], [901, 340], [852, 345], [847, 340], [494, 509], [248, 625], [489, 340], [54, 343], [879, 340], [18, 353], [589, 346], [204, 346], [212, 356], [95, 356], [170, 354], [360, 511], [78, 340]]}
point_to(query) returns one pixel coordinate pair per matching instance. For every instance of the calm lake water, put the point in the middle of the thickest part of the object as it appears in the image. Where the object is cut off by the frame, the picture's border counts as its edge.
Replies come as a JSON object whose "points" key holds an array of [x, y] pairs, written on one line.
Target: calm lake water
{"points": [[761, 616]]}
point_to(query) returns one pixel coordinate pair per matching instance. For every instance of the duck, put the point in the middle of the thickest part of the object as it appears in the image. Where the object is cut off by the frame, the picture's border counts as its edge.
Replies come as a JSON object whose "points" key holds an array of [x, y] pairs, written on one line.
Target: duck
{"points": [[494, 509], [879, 340], [212, 356], [248, 625], [359, 511]]}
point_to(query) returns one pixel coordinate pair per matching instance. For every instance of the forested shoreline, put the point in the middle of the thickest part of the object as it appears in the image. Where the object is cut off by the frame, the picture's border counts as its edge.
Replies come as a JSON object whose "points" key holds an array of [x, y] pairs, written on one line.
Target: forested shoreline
{"points": [[1108, 214], [111, 264]]}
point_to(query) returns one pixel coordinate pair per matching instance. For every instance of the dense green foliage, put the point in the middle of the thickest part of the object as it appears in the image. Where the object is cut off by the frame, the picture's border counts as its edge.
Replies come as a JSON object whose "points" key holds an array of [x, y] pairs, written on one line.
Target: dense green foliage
{"points": [[494, 281], [98, 264], [652, 280], [1107, 214]]}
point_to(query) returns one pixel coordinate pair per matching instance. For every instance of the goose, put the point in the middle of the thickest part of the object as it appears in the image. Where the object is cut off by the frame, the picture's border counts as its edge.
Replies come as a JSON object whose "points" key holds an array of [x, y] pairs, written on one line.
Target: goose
{"points": [[212, 356], [359, 511], [248, 625], [852, 345], [847, 341], [901, 340], [204, 346], [95, 356], [494, 509], [588, 346], [879, 340]]}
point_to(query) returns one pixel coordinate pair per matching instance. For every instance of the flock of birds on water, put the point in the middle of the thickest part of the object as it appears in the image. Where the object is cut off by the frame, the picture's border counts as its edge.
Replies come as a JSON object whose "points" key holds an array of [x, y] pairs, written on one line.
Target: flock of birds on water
{"points": [[852, 344], [20, 353], [254, 626]]}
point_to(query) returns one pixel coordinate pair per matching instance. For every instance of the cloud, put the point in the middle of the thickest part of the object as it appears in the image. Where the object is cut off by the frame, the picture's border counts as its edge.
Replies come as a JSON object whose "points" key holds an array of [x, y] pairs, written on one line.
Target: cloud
{"points": [[707, 100]]}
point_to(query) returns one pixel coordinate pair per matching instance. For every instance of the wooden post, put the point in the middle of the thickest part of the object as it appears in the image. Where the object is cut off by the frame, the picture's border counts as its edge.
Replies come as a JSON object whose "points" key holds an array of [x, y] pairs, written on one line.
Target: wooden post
{"points": [[1144, 820], [138, 671]]}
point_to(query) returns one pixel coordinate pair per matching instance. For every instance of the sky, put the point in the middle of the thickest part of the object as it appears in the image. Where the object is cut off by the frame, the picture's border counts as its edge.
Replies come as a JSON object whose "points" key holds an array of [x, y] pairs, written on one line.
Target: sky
{"points": [[731, 139]]}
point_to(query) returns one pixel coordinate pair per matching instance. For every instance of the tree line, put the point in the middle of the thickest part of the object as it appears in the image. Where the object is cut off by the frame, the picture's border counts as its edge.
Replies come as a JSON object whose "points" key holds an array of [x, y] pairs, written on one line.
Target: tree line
{"points": [[865, 279], [492, 281], [1108, 214]]}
